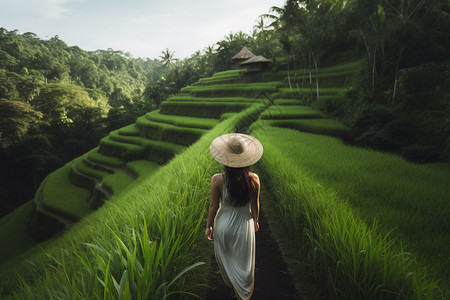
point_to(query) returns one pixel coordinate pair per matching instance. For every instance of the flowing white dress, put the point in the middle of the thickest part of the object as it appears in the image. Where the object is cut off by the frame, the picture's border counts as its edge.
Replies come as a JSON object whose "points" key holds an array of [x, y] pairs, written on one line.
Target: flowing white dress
{"points": [[234, 245]]}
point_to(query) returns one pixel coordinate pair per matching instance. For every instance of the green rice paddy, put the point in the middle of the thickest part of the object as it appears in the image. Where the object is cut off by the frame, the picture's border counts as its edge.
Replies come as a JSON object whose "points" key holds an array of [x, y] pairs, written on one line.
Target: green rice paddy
{"points": [[60, 195], [201, 109], [276, 112], [380, 194], [320, 126], [203, 123], [359, 224]]}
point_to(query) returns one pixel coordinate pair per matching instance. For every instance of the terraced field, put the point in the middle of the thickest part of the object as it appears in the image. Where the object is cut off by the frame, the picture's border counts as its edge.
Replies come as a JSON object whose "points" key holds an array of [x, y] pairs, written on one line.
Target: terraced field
{"points": [[163, 216], [137, 150]]}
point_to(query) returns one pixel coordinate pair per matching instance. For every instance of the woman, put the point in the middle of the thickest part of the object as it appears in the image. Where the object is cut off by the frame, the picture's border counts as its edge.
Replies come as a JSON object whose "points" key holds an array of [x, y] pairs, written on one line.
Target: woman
{"points": [[234, 210]]}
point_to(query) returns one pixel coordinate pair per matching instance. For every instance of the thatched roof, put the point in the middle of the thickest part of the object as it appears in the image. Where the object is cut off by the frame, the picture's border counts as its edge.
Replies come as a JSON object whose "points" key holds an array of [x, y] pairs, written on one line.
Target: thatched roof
{"points": [[244, 54], [255, 60]]}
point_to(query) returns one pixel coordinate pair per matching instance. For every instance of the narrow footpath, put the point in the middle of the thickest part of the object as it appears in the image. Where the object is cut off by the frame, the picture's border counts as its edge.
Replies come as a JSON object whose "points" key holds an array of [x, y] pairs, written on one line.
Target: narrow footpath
{"points": [[272, 280]]}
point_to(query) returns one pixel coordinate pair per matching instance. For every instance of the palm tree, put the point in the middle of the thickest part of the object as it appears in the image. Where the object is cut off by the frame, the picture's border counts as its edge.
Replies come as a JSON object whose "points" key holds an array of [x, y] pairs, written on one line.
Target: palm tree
{"points": [[284, 20], [167, 58]]}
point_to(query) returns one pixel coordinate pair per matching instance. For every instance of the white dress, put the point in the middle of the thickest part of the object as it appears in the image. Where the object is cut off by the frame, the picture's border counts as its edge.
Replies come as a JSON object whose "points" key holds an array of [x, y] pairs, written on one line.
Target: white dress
{"points": [[234, 245]]}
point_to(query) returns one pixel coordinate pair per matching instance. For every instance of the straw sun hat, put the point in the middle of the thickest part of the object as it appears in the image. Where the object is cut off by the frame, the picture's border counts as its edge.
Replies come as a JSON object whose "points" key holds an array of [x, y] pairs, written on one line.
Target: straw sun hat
{"points": [[236, 150]]}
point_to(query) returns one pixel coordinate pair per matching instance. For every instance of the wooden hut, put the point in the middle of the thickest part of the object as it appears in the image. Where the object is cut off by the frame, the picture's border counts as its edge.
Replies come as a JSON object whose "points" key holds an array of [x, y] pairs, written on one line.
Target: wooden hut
{"points": [[242, 56], [256, 64]]}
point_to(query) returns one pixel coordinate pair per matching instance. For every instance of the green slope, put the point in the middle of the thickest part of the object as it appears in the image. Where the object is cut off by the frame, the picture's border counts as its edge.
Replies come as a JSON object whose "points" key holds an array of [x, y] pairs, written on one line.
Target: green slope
{"points": [[148, 222]]}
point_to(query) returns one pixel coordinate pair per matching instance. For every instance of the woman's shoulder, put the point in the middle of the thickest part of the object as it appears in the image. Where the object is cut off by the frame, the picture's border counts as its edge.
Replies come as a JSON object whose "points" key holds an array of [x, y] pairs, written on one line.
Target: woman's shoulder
{"points": [[217, 178], [255, 177]]}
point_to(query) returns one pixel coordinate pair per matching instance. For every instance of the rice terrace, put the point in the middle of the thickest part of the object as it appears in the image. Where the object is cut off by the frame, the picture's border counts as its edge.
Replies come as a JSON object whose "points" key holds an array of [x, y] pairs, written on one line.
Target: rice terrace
{"points": [[106, 168]]}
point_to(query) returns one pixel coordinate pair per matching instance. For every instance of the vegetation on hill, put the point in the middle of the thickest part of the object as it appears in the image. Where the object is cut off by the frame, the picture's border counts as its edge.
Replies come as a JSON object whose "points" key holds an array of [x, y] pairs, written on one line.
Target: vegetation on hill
{"points": [[345, 252], [56, 102], [396, 97], [372, 73]]}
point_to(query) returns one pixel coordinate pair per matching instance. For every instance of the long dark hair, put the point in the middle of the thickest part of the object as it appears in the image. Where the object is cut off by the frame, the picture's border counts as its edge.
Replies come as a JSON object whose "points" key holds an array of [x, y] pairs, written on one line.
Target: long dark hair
{"points": [[239, 184]]}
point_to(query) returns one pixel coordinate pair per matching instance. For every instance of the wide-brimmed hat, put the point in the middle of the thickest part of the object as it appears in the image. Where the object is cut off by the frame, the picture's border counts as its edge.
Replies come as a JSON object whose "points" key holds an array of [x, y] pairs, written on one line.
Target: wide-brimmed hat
{"points": [[236, 150]]}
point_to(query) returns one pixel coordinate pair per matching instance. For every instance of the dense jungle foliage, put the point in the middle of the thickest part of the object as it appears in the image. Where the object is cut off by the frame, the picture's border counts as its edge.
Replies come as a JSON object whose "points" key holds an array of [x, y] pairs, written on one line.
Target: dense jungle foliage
{"points": [[57, 101]]}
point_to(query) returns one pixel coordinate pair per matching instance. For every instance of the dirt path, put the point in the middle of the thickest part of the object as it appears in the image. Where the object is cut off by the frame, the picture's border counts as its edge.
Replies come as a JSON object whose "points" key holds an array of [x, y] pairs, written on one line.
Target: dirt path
{"points": [[271, 278]]}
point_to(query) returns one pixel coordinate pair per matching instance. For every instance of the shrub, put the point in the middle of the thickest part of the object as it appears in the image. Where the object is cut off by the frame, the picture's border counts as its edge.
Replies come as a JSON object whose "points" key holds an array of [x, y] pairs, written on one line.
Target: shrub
{"points": [[421, 154], [425, 86], [370, 116]]}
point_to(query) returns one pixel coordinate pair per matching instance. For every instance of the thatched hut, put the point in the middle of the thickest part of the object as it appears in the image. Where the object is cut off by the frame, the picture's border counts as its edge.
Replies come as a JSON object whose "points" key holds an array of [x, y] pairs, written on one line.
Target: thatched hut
{"points": [[256, 64], [242, 56]]}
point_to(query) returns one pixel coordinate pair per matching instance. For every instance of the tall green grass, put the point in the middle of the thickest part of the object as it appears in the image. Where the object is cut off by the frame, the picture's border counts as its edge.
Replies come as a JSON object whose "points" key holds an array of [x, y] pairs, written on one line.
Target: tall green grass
{"points": [[138, 245], [354, 258], [143, 168], [14, 236]]}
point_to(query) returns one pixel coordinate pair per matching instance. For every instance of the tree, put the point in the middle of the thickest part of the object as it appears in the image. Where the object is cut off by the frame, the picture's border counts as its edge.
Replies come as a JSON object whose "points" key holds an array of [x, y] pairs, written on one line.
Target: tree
{"points": [[167, 58], [16, 119], [63, 103], [229, 47]]}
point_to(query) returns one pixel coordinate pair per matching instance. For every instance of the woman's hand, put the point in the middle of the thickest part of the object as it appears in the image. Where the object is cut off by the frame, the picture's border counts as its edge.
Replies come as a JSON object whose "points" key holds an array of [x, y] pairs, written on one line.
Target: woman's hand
{"points": [[209, 233], [256, 226]]}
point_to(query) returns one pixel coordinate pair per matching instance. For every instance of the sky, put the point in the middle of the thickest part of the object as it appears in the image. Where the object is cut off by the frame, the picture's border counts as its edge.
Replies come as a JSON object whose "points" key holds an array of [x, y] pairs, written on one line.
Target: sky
{"points": [[144, 28]]}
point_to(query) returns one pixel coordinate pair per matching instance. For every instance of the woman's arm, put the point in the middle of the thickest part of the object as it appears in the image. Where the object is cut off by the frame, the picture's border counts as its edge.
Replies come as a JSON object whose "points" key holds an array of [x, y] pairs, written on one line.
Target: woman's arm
{"points": [[213, 206], [255, 201]]}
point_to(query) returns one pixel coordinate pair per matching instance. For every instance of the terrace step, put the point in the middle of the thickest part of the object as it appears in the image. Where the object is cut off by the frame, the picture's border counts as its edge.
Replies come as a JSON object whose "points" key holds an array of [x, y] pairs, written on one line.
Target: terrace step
{"points": [[222, 77], [135, 148], [130, 130], [182, 121], [201, 109], [302, 93], [43, 209], [188, 98], [288, 102], [278, 112], [94, 200], [147, 143], [323, 126], [124, 170], [101, 159], [233, 89], [166, 132], [123, 151]]}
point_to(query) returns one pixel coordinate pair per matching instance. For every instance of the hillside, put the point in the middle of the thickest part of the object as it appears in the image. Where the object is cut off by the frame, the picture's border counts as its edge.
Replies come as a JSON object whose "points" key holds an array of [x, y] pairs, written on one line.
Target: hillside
{"points": [[133, 208], [56, 102]]}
